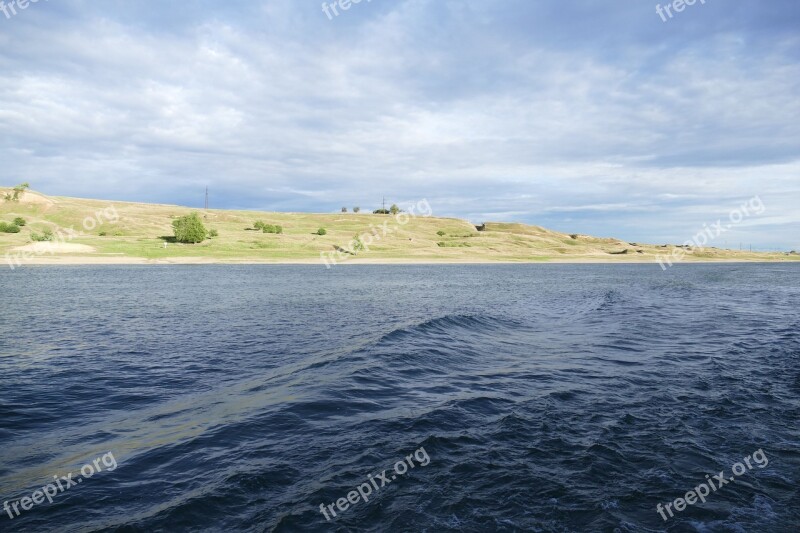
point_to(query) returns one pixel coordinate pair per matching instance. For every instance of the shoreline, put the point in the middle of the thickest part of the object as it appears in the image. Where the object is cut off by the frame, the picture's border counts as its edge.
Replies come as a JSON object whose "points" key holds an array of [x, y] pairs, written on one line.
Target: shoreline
{"points": [[135, 261]]}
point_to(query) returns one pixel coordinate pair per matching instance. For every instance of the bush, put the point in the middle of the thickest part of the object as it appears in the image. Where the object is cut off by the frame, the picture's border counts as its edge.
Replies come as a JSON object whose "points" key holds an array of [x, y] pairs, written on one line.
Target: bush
{"points": [[103, 233], [268, 228], [381, 212], [8, 228], [189, 229], [344, 210], [213, 233], [46, 236], [452, 245], [19, 221], [358, 244], [356, 210], [440, 233], [321, 231]]}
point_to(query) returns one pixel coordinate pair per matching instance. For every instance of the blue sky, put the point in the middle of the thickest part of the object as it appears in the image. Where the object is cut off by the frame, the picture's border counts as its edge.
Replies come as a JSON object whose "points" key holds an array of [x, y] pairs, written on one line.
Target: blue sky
{"points": [[582, 116]]}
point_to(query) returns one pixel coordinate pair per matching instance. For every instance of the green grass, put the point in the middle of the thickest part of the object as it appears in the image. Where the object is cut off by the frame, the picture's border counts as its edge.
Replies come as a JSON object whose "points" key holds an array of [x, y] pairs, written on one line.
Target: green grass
{"points": [[140, 230]]}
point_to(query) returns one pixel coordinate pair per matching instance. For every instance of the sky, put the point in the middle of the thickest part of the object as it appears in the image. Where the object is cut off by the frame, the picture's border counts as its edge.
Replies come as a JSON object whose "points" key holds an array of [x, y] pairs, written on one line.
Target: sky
{"points": [[593, 117]]}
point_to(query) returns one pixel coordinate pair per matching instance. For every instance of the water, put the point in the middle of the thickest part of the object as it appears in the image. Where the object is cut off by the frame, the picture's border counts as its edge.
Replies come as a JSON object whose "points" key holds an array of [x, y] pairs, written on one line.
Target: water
{"points": [[546, 397]]}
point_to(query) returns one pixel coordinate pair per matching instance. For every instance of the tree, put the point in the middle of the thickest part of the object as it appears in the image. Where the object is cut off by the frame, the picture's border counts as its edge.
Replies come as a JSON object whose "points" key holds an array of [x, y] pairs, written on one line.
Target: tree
{"points": [[381, 212], [441, 233], [344, 210], [394, 209], [356, 209], [189, 229], [16, 192], [322, 231]]}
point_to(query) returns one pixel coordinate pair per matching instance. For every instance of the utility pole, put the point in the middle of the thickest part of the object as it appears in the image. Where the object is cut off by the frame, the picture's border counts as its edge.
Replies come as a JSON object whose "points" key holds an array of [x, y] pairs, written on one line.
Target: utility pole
{"points": [[206, 198], [384, 204]]}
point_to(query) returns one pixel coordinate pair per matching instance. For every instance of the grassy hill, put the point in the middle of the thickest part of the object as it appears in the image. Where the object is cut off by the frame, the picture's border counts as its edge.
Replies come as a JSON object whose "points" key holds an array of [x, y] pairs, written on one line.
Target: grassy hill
{"points": [[96, 231]]}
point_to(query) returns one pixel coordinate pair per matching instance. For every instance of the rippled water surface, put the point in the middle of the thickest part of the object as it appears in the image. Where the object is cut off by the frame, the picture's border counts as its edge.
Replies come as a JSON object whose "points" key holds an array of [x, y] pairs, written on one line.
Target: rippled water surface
{"points": [[547, 397]]}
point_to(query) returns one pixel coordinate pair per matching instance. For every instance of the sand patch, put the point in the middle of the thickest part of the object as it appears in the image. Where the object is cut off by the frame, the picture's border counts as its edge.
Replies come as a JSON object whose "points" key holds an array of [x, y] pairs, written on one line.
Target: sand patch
{"points": [[29, 198], [55, 248]]}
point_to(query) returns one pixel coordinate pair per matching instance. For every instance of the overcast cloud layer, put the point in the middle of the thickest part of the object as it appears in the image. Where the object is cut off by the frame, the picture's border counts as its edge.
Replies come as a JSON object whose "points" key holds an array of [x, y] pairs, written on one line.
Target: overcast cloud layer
{"points": [[583, 116]]}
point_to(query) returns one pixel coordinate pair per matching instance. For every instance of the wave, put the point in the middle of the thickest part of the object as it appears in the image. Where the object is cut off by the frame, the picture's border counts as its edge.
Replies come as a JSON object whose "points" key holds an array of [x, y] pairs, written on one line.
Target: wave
{"points": [[450, 325]]}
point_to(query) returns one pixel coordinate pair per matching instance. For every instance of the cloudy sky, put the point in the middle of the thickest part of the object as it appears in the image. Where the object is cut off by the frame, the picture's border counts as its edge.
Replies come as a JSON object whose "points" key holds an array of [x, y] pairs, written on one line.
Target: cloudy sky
{"points": [[591, 117]]}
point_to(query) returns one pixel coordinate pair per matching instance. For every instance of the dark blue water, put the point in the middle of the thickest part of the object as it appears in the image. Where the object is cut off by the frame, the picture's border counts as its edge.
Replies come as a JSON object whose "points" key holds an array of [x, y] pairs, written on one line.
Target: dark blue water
{"points": [[546, 397]]}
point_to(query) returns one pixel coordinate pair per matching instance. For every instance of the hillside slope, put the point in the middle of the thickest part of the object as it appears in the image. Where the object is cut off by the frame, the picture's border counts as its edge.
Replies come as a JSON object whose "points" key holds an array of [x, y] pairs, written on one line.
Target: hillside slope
{"points": [[95, 231]]}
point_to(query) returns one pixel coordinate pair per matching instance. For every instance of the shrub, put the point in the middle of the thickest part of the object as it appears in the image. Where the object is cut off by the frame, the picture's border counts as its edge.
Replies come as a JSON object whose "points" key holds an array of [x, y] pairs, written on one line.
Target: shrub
{"points": [[356, 210], [103, 233], [19, 221], [8, 228], [213, 233], [358, 244], [441, 233], [381, 212], [268, 228], [344, 210], [321, 231], [189, 229], [574, 236], [452, 245], [46, 236]]}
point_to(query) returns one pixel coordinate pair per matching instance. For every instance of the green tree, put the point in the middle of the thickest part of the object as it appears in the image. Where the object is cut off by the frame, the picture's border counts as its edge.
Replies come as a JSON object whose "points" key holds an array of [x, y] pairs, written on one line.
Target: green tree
{"points": [[356, 210], [189, 229], [394, 209], [16, 192], [441, 233], [344, 210]]}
